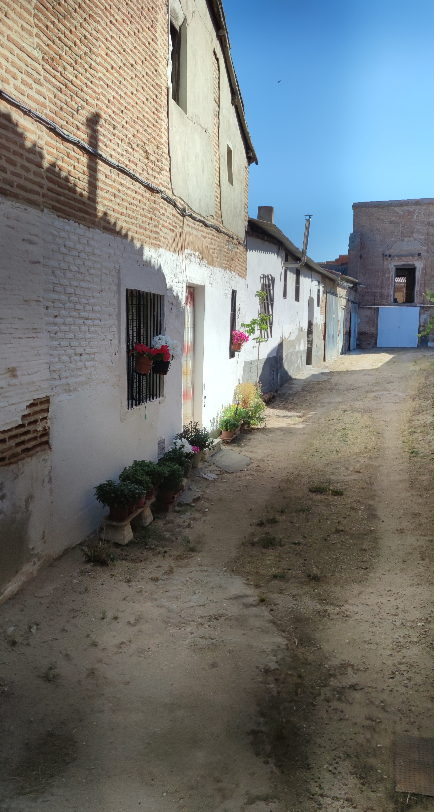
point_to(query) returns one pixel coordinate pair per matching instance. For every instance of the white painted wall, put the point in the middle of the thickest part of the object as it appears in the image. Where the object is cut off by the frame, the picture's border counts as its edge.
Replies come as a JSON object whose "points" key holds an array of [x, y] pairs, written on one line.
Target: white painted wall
{"points": [[64, 303], [191, 130], [290, 318]]}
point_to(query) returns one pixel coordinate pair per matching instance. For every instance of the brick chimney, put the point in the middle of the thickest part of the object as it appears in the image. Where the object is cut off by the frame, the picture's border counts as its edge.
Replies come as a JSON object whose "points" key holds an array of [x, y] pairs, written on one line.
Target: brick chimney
{"points": [[266, 213]]}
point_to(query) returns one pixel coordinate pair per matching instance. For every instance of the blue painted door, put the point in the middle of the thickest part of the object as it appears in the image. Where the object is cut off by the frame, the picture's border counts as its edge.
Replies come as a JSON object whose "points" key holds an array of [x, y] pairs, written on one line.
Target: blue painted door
{"points": [[398, 326]]}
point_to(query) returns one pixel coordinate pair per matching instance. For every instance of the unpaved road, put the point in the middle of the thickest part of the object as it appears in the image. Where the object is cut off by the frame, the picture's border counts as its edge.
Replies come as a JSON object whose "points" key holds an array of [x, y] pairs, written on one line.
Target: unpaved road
{"points": [[257, 651]]}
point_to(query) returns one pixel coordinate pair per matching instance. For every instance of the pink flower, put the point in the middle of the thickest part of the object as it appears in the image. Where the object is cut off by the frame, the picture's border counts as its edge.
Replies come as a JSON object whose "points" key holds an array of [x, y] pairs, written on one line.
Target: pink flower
{"points": [[239, 337], [195, 449]]}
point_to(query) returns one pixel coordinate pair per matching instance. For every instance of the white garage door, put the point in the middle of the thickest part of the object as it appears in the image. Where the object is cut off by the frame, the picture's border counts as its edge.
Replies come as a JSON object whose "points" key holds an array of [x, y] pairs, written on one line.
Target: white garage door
{"points": [[398, 327]]}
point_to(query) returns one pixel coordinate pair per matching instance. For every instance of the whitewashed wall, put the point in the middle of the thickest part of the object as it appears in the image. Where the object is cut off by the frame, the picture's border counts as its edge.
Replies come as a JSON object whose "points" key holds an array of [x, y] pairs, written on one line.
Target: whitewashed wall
{"points": [[63, 311], [285, 352]]}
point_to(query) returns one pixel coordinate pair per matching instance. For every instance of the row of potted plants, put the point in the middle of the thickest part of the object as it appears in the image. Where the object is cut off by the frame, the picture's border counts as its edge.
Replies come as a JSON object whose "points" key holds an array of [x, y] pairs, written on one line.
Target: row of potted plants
{"points": [[246, 412], [143, 479], [157, 357]]}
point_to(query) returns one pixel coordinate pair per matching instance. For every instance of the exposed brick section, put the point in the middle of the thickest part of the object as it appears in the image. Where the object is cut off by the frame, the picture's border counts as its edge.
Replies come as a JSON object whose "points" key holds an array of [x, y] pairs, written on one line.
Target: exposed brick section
{"points": [[29, 436], [99, 70], [387, 234]]}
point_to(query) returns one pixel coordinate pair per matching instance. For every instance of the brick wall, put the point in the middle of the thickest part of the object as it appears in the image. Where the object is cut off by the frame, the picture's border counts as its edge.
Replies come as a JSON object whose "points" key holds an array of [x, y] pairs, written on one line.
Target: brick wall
{"points": [[99, 72], [383, 229], [27, 437]]}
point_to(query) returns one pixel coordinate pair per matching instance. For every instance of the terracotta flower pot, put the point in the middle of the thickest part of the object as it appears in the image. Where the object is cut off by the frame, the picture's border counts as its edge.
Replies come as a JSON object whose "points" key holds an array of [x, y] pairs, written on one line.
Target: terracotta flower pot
{"points": [[143, 364], [150, 494], [166, 497], [227, 436], [161, 367], [237, 347], [141, 502], [120, 514], [196, 459]]}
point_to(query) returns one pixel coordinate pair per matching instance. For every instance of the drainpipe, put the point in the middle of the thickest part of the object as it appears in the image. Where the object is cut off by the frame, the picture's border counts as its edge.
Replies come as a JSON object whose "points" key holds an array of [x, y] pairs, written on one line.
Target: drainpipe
{"points": [[293, 265]]}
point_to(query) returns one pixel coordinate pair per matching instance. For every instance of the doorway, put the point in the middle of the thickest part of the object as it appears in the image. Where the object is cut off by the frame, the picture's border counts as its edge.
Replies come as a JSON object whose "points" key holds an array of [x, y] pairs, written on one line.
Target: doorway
{"points": [[341, 330], [310, 319], [404, 284], [188, 358]]}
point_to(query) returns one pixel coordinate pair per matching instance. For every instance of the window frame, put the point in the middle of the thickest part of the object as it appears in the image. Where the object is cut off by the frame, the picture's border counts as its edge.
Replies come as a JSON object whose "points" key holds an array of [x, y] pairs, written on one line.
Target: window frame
{"points": [[144, 313], [297, 285]]}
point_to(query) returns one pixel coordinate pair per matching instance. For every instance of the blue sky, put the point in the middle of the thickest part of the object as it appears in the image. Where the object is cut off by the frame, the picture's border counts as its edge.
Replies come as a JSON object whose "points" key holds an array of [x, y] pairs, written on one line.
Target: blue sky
{"points": [[352, 117]]}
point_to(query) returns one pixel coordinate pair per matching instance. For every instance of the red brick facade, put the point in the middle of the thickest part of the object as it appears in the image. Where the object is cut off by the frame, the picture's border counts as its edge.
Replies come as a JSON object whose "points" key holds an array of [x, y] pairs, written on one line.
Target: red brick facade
{"points": [[99, 71]]}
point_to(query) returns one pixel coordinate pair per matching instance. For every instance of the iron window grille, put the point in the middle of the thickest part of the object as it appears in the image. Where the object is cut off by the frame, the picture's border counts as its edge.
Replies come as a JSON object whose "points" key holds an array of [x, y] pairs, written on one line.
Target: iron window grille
{"points": [[233, 321], [267, 284], [144, 322]]}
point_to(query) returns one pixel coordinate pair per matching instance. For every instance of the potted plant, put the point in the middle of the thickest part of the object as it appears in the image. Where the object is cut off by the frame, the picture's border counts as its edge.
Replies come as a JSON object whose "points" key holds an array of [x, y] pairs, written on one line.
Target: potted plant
{"points": [[179, 452], [153, 471], [166, 351], [251, 404], [229, 427], [143, 358], [120, 497], [238, 339], [172, 482], [138, 477], [198, 438]]}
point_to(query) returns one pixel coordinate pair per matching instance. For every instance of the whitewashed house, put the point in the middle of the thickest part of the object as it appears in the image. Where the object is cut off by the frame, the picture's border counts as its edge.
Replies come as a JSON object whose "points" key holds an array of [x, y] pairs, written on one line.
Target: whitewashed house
{"points": [[309, 307]]}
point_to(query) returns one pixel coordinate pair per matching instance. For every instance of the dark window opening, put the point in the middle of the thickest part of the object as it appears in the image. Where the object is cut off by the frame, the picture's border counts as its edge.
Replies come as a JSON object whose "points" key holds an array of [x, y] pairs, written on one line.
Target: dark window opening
{"points": [[175, 62], [318, 297], [297, 283], [267, 283], [233, 321], [144, 321], [286, 271], [404, 285], [229, 163]]}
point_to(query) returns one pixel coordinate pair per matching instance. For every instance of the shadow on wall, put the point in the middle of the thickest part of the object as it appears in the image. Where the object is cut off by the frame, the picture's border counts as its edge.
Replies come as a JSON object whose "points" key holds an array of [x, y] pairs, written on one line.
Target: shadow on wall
{"points": [[283, 363], [34, 495]]}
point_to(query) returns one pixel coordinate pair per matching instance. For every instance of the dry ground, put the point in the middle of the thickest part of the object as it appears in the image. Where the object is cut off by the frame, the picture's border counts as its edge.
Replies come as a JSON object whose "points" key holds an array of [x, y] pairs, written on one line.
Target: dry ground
{"points": [[258, 650]]}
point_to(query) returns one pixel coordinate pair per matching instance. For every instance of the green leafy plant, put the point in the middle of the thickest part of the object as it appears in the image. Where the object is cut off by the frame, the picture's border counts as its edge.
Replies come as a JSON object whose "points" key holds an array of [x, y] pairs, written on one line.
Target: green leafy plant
{"points": [[137, 476], [118, 494], [174, 455], [430, 326], [196, 436], [248, 397], [229, 423], [258, 326], [173, 477], [152, 470]]}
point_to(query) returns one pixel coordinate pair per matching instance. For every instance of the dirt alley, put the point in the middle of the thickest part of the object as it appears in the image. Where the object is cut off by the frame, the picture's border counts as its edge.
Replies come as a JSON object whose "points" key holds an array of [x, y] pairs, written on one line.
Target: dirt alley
{"points": [[257, 651]]}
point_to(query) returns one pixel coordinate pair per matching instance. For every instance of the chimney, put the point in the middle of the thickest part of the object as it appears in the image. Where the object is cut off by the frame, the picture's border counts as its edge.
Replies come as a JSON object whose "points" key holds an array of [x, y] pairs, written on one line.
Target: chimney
{"points": [[266, 213]]}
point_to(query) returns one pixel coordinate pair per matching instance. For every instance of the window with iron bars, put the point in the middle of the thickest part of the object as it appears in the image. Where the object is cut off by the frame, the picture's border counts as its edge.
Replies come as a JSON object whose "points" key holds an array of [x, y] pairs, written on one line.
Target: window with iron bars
{"points": [[267, 284], [144, 312]]}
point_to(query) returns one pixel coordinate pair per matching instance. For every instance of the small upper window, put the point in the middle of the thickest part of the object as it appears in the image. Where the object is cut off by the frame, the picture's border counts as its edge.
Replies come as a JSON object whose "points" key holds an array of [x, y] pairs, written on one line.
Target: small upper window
{"points": [[318, 296], [175, 62], [404, 285], [229, 162]]}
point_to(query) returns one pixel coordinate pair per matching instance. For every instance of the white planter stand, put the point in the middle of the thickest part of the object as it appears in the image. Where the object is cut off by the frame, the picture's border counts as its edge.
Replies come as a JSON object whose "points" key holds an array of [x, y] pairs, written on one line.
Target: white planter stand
{"points": [[121, 532]]}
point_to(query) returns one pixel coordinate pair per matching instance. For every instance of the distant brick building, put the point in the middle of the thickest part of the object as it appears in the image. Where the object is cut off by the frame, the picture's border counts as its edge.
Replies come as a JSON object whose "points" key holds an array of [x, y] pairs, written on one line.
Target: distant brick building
{"points": [[391, 253], [340, 264]]}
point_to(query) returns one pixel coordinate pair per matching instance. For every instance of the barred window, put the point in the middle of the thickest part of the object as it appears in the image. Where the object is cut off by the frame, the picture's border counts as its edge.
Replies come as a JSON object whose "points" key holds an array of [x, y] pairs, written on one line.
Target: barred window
{"points": [[267, 283], [144, 313]]}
